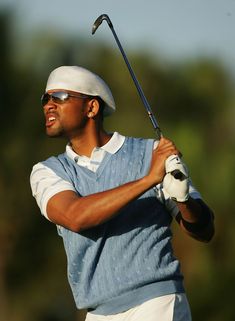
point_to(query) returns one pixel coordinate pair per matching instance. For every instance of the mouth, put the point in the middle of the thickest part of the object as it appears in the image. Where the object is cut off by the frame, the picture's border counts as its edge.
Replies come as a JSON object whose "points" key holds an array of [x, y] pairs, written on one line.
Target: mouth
{"points": [[50, 120]]}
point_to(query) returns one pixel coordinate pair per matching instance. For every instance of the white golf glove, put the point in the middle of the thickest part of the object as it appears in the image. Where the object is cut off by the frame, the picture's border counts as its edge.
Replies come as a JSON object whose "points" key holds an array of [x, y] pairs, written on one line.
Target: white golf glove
{"points": [[176, 189]]}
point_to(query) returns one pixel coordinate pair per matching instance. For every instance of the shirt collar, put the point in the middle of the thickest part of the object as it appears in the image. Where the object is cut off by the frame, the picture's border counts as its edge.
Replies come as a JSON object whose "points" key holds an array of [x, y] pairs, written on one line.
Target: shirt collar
{"points": [[112, 146]]}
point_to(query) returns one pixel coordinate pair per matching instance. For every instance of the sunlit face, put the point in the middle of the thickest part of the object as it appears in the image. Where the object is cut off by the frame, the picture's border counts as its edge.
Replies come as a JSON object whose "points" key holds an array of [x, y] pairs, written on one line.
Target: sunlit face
{"points": [[65, 118]]}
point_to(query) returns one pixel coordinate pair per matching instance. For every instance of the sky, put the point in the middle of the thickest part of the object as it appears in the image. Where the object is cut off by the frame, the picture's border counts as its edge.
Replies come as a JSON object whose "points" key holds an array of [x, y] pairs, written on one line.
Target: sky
{"points": [[174, 28]]}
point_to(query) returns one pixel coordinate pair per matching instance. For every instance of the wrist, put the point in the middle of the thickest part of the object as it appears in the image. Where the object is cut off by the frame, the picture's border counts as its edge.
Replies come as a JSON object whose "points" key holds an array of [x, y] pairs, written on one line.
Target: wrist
{"points": [[152, 180]]}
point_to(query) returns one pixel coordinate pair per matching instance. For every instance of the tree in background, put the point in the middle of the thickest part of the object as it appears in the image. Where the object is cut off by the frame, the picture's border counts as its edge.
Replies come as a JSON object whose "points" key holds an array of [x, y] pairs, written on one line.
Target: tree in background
{"points": [[195, 105]]}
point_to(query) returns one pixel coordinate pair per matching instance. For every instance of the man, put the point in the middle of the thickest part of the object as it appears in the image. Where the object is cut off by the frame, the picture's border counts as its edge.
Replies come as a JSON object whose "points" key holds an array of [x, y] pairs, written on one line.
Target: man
{"points": [[113, 199]]}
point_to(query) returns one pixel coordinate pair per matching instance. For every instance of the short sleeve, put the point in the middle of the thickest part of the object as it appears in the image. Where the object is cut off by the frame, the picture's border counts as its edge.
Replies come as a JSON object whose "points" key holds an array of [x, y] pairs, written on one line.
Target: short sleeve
{"points": [[45, 184]]}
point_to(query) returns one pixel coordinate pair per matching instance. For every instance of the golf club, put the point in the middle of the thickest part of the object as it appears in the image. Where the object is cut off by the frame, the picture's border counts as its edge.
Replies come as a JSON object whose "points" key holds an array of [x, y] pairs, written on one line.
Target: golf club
{"points": [[176, 173], [138, 87]]}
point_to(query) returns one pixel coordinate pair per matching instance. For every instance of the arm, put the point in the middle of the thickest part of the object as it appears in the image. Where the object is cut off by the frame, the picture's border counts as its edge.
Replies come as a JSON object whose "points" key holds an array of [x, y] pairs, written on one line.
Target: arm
{"points": [[196, 219], [79, 213]]}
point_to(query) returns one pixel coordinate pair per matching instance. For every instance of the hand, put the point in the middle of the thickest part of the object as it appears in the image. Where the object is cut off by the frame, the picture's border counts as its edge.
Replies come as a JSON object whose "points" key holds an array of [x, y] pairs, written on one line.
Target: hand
{"points": [[164, 149], [176, 189]]}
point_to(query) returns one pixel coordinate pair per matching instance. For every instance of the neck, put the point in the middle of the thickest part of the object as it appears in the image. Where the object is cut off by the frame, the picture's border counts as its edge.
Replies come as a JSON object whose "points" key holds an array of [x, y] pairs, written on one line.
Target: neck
{"points": [[84, 143]]}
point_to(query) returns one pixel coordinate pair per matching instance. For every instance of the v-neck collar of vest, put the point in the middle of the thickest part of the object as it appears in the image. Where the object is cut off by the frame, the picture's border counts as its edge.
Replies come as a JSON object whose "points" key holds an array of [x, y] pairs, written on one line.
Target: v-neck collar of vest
{"points": [[95, 175]]}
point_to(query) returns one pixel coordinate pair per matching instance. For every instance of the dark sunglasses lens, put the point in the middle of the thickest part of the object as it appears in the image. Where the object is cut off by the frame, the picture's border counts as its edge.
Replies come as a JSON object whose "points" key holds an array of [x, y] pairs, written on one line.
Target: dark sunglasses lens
{"points": [[58, 97]]}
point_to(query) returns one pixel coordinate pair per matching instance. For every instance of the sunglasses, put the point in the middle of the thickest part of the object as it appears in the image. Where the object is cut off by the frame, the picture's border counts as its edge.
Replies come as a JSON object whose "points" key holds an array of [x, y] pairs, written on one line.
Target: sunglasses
{"points": [[60, 97]]}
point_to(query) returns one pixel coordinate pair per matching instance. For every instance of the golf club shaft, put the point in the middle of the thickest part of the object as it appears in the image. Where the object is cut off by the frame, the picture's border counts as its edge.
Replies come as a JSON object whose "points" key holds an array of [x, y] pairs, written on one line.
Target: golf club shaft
{"points": [[138, 87]]}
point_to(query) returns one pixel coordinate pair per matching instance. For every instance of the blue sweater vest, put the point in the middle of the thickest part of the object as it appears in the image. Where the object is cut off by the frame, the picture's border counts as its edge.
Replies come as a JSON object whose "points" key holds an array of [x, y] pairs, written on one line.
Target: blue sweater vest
{"points": [[127, 260]]}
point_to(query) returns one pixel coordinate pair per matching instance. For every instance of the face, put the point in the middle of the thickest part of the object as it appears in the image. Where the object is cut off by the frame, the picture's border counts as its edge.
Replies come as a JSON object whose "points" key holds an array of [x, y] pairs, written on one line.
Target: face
{"points": [[65, 118]]}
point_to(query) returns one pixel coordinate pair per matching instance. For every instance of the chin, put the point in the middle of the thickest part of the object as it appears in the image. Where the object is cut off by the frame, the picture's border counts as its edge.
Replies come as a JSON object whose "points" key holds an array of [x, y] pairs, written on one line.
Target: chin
{"points": [[53, 134]]}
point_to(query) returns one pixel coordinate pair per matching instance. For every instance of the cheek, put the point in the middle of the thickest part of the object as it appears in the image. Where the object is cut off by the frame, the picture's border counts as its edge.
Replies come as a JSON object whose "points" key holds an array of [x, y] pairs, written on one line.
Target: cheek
{"points": [[73, 115]]}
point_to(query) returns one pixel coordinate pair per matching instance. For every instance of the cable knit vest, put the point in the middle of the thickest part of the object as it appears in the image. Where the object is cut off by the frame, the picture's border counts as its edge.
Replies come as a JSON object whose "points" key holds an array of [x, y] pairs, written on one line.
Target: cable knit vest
{"points": [[129, 259]]}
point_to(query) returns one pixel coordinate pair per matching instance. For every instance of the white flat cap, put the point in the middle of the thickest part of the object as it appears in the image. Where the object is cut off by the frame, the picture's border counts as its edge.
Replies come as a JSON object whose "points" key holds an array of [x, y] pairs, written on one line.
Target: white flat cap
{"points": [[81, 80]]}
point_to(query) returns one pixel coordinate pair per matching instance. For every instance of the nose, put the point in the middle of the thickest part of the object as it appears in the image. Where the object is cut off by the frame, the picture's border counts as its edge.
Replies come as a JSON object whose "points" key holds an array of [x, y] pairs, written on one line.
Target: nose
{"points": [[49, 106]]}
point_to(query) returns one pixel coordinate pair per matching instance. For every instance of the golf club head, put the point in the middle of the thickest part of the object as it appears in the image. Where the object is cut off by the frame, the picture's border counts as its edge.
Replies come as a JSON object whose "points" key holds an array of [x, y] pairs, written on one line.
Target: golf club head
{"points": [[99, 20]]}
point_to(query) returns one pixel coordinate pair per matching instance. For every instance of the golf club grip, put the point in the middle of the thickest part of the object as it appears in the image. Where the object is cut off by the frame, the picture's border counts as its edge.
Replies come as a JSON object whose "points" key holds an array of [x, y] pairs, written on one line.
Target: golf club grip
{"points": [[176, 173]]}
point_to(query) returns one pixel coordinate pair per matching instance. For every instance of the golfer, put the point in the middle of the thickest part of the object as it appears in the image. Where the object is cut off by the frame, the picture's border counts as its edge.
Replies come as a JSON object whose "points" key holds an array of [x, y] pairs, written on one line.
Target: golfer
{"points": [[113, 199]]}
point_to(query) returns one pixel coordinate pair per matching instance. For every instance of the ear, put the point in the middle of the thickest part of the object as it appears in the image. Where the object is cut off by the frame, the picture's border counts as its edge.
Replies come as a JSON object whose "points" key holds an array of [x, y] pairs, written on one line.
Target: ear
{"points": [[93, 108]]}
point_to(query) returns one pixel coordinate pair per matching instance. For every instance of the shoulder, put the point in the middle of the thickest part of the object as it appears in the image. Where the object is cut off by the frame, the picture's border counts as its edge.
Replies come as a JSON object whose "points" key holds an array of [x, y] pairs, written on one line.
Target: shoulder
{"points": [[55, 166], [44, 167], [40, 169]]}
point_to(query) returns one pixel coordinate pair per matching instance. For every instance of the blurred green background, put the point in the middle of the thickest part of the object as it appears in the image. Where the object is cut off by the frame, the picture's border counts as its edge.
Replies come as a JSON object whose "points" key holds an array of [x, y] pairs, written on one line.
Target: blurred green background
{"points": [[194, 101]]}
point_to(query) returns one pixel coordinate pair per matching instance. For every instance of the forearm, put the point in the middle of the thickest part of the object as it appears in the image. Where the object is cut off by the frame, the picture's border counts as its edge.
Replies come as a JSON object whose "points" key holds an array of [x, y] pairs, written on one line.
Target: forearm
{"points": [[80, 213], [196, 219]]}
